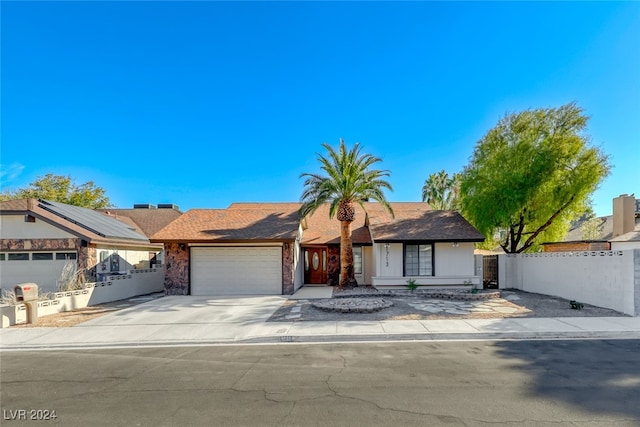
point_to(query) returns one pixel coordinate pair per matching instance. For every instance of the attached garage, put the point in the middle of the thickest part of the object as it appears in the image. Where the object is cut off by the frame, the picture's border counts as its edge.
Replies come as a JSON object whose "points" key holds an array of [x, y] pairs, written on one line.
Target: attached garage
{"points": [[236, 270]]}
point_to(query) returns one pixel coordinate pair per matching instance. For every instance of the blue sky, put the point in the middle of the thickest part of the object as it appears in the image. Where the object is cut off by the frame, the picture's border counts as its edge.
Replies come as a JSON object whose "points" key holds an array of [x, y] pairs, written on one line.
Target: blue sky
{"points": [[205, 103]]}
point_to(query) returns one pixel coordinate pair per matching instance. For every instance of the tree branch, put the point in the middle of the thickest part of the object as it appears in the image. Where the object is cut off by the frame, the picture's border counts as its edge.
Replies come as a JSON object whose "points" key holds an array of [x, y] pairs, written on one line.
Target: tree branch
{"points": [[529, 241]]}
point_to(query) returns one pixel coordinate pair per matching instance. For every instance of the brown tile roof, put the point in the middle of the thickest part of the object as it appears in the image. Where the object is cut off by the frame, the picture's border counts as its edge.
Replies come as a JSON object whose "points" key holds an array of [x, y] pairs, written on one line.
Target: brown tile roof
{"points": [[279, 221], [421, 224], [278, 206], [19, 205], [412, 221], [266, 223], [322, 230], [150, 221]]}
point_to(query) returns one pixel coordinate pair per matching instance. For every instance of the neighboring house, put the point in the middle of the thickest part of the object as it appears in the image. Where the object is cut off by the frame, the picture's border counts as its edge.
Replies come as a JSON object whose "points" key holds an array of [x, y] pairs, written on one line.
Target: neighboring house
{"points": [[264, 248], [626, 226], [148, 219], [37, 238], [612, 232]]}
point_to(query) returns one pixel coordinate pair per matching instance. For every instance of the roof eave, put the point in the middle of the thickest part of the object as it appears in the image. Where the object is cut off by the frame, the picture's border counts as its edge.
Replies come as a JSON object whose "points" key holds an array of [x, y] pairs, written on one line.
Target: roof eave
{"points": [[197, 240], [429, 239]]}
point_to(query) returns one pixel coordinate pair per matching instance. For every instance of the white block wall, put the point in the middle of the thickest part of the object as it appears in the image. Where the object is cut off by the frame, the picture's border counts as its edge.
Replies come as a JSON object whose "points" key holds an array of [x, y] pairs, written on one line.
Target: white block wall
{"points": [[609, 279], [139, 282]]}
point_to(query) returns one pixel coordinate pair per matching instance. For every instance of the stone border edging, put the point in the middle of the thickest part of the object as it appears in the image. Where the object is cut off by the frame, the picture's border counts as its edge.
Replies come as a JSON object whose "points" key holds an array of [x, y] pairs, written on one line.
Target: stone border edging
{"points": [[352, 305], [447, 295]]}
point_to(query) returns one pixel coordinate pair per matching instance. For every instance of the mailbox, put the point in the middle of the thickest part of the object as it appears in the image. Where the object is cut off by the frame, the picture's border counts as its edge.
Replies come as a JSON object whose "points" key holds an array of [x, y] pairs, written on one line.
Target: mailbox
{"points": [[26, 292]]}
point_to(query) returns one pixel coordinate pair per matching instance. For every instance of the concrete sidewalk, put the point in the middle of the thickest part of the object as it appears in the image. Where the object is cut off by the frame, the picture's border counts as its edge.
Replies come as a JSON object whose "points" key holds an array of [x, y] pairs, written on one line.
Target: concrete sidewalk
{"points": [[175, 321]]}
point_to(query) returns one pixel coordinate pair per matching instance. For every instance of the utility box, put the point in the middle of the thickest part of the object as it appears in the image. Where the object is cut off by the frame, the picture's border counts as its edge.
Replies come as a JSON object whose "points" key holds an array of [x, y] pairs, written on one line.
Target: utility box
{"points": [[26, 292]]}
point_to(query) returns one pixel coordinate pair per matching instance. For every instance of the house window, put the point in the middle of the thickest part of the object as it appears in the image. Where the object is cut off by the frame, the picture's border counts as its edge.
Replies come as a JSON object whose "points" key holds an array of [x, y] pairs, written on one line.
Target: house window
{"points": [[418, 260], [2, 257], [19, 257], [61, 256], [42, 256], [357, 259], [306, 260]]}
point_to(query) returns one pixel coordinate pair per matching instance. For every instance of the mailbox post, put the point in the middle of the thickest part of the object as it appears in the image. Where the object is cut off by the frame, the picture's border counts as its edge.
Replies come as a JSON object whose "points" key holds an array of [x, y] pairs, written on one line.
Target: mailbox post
{"points": [[28, 294]]}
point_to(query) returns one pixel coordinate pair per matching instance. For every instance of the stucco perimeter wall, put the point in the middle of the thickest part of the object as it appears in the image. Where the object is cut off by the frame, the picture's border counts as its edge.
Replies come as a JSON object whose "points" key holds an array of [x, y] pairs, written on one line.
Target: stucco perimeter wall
{"points": [[609, 279], [138, 282]]}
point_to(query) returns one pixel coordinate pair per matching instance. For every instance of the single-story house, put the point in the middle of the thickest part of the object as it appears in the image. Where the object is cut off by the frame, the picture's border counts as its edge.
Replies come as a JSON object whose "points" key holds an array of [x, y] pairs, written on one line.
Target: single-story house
{"points": [[40, 236], [266, 248]]}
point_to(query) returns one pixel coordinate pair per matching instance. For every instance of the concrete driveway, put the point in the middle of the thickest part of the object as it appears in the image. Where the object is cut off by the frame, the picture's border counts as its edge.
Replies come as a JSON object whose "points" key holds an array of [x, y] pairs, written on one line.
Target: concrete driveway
{"points": [[167, 320], [192, 310]]}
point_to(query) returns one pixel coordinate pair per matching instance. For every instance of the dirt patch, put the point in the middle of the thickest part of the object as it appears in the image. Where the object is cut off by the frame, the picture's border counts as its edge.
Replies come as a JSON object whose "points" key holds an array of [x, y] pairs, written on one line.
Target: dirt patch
{"points": [[69, 318], [72, 318]]}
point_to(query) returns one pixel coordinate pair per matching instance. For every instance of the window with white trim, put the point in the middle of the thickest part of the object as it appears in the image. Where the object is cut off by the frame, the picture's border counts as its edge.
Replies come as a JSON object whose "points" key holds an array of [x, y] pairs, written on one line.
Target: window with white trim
{"points": [[357, 259], [418, 260]]}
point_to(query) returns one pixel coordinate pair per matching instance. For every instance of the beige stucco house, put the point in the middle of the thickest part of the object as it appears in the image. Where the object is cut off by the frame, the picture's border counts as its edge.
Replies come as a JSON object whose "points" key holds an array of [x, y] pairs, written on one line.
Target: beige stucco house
{"points": [[266, 248], [37, 238]]}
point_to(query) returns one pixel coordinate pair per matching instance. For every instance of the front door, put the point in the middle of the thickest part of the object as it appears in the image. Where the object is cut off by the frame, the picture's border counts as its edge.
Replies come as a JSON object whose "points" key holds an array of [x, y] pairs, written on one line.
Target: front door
{"points": [[315, 266]]}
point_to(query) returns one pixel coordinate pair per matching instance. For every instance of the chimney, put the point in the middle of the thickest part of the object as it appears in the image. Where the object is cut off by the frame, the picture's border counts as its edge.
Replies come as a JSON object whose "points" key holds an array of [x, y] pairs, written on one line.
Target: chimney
{"points": [[624, 214]]}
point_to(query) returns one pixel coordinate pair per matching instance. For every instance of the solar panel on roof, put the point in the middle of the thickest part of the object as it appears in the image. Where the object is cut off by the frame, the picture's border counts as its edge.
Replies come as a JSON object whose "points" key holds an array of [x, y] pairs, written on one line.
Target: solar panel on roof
{"points": [[91, 220]]}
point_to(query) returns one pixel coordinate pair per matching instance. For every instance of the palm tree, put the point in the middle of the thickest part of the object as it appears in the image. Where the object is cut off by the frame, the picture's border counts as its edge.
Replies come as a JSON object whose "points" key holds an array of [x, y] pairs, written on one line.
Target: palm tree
{"points": [[440, 191], [348, 180]]}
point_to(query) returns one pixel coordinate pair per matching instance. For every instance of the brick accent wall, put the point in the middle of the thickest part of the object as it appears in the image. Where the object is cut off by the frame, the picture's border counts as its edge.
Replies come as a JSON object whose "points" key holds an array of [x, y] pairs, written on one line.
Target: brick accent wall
{"points": [[37, 244], [176, 269], [87, 258], [287, 269], [576, 246]]}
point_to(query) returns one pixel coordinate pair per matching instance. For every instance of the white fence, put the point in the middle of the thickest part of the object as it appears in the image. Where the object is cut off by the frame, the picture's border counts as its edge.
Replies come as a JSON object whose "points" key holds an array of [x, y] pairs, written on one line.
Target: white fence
{"points": [[609, 279], [138, 282]]}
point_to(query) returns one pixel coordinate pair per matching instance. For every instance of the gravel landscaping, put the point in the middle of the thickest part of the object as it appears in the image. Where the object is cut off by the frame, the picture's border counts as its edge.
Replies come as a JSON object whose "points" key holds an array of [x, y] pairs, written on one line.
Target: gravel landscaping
{"points": [[361, 303], [424, 305]]}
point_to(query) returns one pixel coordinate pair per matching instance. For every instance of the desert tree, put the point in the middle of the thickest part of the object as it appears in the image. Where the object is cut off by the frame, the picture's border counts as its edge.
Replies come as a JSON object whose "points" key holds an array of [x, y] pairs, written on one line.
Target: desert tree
{"points": [[531, 175]]}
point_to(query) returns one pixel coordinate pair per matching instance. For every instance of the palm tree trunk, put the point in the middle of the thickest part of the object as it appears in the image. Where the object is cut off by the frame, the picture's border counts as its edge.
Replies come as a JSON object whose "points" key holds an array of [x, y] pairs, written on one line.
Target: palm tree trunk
{"points": [[347, 277]]}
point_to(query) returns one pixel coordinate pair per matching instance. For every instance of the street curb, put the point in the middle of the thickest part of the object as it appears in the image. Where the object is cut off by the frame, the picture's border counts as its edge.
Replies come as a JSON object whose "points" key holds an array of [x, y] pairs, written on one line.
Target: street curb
{"points": [[329, 339]]}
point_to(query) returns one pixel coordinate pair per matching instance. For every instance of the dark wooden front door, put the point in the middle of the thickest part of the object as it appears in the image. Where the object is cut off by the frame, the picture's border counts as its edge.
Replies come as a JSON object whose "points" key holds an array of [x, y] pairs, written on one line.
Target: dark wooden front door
{"points": [[315, 266]]}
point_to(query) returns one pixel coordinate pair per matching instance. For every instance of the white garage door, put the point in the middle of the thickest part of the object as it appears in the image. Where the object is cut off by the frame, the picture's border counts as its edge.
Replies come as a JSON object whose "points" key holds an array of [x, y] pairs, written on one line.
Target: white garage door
{"points": [[236, 271]]}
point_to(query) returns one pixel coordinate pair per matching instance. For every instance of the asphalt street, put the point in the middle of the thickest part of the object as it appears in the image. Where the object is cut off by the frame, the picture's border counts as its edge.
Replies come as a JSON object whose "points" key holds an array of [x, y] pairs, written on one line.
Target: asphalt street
{"points": [[524, 383]]}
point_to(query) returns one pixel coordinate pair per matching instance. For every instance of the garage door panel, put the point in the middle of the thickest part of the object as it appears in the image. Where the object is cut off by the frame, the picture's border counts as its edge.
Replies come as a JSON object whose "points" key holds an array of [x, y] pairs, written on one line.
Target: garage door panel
{"points": [[236, 271]]}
